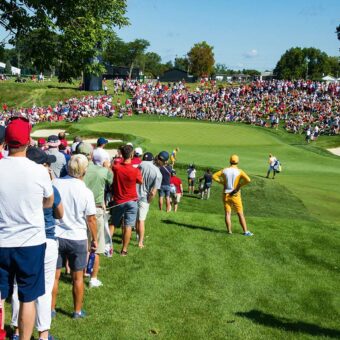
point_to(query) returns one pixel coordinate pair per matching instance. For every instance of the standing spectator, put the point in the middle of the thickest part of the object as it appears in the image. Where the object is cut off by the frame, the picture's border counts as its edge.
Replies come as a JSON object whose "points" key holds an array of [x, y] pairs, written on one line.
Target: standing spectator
{"points": [[125, 196], [164, 190], [207, 178], [137, 157], [191, 171], [71, 230], [99, 154], [272, 161], [76, 141], [233, 179], [42, 144], [59, 167], [43, 303], [177, 192], [152, 179], [96, 179], [22, 228]]}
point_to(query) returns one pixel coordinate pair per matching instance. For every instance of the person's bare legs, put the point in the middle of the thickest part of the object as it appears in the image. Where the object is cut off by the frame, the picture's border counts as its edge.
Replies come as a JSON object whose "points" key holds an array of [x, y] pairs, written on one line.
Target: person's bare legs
{"points": [[78, 290], [26, 319], [160, 202], [126, 238], [112, 229], [140, 232], [55, 289], [95, 267], [242, 220], [168, 204], [228, 221]]}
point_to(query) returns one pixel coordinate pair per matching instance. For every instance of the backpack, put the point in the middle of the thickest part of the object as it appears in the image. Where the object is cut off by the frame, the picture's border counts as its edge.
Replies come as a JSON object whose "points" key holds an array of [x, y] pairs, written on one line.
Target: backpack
{"points": [[277, 166]]}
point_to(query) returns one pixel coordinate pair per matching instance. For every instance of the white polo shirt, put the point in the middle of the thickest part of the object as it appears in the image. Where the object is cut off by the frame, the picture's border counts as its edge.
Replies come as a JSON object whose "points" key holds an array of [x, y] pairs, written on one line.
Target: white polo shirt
{"points": [[24, 184], [78, 202]]}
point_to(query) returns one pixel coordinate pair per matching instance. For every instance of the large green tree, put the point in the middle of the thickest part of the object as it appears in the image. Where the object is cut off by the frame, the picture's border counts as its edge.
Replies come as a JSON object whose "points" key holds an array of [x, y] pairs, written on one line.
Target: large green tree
{"points": [[201, 59], [308, 63], [79, 27], [182, 63]]}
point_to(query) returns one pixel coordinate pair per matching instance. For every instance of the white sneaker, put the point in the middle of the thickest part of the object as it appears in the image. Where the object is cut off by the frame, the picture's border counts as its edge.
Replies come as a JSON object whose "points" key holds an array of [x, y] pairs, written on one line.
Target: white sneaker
{"points": [[94, 283]]}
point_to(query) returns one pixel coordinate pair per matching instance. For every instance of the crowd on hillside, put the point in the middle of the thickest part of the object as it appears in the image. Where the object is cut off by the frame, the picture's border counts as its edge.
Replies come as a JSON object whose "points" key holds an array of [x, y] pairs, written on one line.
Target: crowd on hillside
{"points": [[60, 206], [298, 105]]}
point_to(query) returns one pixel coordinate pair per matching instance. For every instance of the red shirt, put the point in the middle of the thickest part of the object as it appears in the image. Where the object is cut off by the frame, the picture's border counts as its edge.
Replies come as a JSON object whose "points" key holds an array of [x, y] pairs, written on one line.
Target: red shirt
{"points": [[125, 177], [177, 183], [135, 161]]}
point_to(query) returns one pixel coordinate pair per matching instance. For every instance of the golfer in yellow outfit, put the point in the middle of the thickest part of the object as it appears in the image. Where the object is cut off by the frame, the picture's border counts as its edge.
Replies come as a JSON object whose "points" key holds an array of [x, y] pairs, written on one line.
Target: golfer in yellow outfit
{"points": [[173, 157], [233, 178]]}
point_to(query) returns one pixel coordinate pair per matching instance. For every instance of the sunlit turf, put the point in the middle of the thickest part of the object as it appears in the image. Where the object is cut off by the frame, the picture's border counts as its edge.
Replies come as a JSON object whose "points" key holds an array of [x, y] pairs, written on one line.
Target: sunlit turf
{"points": [[193, 281]]}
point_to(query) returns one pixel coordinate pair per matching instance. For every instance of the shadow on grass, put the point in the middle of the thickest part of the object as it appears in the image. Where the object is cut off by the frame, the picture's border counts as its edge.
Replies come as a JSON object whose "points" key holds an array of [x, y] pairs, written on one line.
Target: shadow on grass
{"points": [[288, 325], [61, 311], [191, 195], [192, 226], [63, 87]]}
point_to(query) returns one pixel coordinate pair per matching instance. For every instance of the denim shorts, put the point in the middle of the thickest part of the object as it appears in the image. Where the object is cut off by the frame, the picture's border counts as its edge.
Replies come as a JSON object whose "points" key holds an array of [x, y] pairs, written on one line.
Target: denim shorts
{"points": [[73, 251], [125, 211], [26, 264], [164, 191]]}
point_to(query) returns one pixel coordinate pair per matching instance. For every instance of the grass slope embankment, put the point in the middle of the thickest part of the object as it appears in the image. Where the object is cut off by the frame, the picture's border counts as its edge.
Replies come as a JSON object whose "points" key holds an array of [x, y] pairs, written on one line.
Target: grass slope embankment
{"points": [[193, 281]]}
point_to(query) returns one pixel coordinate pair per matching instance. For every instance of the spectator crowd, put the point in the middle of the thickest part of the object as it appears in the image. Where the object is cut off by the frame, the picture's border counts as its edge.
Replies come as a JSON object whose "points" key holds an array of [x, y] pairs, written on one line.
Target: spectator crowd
{"points": [[297, 105], [58, 205]]}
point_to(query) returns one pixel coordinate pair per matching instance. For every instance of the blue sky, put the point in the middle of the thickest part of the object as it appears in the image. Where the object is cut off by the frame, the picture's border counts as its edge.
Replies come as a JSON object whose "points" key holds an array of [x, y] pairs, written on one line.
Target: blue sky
{"points": [[244, 33]]}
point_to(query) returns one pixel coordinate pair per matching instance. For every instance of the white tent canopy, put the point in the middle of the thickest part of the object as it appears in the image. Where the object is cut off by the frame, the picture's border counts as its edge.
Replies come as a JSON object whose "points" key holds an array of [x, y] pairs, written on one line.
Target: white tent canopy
{"points": [[329, 78]]}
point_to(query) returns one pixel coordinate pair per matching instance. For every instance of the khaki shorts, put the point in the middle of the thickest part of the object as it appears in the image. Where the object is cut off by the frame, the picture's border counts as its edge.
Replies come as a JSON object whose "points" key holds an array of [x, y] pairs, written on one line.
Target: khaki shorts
{"points": [[100, 232], [143, 209], [233, 202]]}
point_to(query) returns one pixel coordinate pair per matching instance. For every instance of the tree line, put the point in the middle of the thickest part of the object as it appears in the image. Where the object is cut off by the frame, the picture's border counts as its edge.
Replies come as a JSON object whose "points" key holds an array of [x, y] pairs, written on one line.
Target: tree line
{"points": [[72, 37]]}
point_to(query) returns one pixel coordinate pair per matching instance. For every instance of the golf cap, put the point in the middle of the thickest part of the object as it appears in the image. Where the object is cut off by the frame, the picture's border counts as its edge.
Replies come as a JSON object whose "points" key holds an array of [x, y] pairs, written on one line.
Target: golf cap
{"points": [[41, 141], [84, 149], [234, 159], [138, 151], [102, 141], [53, 141], [163, 156], [2, 134], [18, 133], [173, 172], [148, 156], [129, 144], [39, 156]]}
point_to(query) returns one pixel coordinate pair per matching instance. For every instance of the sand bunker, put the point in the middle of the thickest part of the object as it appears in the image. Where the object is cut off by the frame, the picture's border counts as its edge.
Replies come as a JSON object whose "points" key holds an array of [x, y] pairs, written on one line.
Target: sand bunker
{"points": [[46, 132], [335, 151]]}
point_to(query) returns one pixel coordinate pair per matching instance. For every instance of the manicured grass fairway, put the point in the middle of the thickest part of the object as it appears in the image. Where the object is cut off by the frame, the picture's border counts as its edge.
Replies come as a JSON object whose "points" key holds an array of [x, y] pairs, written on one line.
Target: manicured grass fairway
{"points": [[193, 281]]}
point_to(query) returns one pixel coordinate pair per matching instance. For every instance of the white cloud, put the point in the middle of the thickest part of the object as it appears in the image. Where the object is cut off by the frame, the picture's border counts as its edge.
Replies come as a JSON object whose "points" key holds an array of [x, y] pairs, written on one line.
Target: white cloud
{"points": [[251, 54]]}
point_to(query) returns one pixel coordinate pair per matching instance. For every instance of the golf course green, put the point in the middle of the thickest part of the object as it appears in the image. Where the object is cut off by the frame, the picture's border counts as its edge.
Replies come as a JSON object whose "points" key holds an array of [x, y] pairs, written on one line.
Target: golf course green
{"points": [[192, 280]]}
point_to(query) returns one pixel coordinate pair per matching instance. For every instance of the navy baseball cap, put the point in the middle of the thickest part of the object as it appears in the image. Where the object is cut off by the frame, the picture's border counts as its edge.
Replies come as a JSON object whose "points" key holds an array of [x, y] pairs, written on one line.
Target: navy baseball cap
{"points": [[163, 156], [39, 156], [148, 156], [102, 141]]}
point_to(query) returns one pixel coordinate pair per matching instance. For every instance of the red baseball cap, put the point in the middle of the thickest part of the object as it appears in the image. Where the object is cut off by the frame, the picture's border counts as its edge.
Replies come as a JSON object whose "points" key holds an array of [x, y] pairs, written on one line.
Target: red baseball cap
{"points": [[41, 141], [63, 142], [18, 133]]}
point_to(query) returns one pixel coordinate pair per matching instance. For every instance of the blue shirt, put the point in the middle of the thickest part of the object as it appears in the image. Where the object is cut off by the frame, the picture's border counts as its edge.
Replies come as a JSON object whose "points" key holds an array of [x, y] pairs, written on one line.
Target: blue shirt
{"points": [[48, 215]]}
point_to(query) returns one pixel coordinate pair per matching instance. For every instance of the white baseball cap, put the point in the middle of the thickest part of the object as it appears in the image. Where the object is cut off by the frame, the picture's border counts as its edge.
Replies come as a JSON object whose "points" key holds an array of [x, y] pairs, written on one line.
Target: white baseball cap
{"points": [[138, 151]]}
